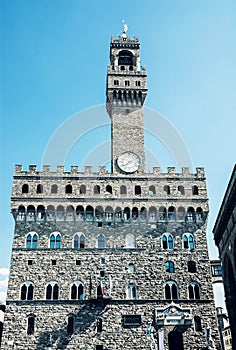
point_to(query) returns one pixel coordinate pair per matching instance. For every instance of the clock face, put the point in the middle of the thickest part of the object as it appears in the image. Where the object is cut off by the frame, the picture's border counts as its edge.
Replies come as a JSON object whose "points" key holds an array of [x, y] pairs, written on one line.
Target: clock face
{"points": [[128, 162]]}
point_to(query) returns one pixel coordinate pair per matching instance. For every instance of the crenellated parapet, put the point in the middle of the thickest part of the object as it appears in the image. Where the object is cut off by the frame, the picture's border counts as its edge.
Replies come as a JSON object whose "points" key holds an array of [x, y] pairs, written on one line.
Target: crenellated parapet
{"points": [[87, 195], [88, 170]]}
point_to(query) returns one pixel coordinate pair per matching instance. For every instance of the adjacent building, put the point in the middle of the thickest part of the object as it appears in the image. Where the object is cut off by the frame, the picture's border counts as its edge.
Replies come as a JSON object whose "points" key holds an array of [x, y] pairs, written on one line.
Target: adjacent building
{"points": [[225, 239], [111, 260], [225, 332]]}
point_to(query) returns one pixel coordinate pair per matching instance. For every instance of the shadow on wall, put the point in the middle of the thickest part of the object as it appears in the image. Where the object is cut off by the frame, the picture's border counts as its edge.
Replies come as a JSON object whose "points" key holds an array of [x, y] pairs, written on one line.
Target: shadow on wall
{"points": [[85, 317]]}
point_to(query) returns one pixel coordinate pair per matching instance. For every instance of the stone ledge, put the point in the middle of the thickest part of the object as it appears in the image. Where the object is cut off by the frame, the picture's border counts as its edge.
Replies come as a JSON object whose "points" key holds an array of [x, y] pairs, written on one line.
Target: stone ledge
{"points": [[108, 301]]}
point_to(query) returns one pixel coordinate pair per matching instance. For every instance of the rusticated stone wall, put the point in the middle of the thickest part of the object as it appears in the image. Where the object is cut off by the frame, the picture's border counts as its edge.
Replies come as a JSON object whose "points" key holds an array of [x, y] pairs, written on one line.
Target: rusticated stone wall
{"points": [[51, 324], [66, 265]]}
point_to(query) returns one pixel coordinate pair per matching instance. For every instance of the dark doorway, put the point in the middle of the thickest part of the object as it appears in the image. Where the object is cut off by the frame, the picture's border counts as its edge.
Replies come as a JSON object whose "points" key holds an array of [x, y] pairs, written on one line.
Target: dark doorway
{"points": [[175, 341]]}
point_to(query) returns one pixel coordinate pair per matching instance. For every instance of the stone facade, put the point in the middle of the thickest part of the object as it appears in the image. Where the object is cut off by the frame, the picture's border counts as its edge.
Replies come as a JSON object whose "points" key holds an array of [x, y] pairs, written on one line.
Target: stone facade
{"points": [[111, 260]]}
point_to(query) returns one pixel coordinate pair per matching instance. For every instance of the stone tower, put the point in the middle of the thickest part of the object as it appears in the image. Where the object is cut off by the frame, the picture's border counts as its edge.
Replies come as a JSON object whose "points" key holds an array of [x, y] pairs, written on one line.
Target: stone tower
{"points": [[119, 260], [126, 93]]}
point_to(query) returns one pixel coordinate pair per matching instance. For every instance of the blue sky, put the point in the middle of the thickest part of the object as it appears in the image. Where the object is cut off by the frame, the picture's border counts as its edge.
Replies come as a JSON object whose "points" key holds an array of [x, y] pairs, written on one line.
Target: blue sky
{"points": [[54, 56]]}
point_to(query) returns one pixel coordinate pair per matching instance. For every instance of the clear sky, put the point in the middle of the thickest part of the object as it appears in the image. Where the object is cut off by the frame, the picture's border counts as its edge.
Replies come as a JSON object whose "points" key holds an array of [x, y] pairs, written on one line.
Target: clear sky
{"points": [[54, 56]]}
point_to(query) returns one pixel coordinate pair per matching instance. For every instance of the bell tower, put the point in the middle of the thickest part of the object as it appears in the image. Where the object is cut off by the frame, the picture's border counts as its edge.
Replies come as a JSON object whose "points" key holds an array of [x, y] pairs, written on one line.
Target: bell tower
{"points": [[125, 95]]}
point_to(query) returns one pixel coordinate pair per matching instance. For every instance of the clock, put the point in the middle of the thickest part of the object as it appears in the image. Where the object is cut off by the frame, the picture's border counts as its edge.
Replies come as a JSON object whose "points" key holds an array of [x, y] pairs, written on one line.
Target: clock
{"points": [[128, 162]]}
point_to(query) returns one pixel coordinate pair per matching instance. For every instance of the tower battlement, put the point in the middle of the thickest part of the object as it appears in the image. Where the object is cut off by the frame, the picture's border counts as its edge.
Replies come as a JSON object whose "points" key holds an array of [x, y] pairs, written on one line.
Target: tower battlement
{"points": [[88, 170]]}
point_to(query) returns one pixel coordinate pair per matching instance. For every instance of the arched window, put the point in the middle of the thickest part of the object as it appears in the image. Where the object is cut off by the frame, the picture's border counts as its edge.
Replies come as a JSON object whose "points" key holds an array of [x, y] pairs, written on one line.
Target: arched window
{"points": [[166, 189], [190, 214], [23, 292], [167, 241], [171, 290], [162, 213], [108, 213], [25, 188], [79, 212], [99, 213], [35, 241], [54, 189], [27, 291], [185, 242], [30, 325], [195, 190], [152, 190], [192, 266], [130, 241], [21, 213], [171, 214], [30, 213], [49, 292], [55, 292], [52, 241], [164, 242], [55, 240], [152, 214], [52, 291], [68, 189], [60, 212], [40, 213], [191, 242], [39, 188], [118, 214], [137, 190], [76, 241], [180, 190], [132, 291], [197, 324], [199, 214], [28, 241], [89, 213], [50, 213], [58, 241], [70, 213], [143, 214], [169, 266], [70, 324], [125, 58], [123, 189], [77, 291], [108, 189], [131, 268], [96, 189], [101, 241], [119, 93], [126, 214], [181, 214], [193, 290], [135, 213], [32, 240], [188, 241], [82, 189], [82, 241]]}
